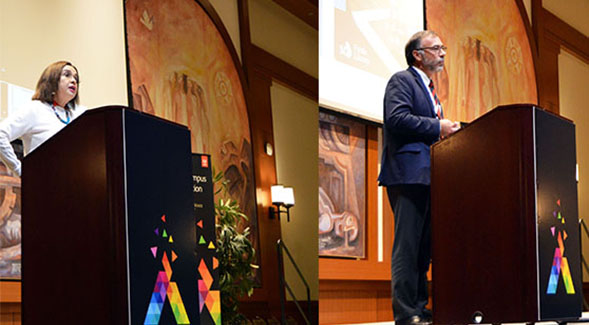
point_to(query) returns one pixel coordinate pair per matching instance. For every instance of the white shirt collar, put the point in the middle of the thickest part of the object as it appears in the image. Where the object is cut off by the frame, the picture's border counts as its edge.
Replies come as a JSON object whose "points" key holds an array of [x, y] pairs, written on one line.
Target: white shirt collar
{"points": [[426, 80]]}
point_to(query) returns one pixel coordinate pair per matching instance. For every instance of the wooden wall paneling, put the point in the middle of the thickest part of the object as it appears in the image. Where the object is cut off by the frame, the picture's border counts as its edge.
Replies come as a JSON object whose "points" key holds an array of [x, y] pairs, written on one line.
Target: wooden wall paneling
{"points": [[10, 298], [354, 301], [10, 302], [10, 313], [10, 291]]}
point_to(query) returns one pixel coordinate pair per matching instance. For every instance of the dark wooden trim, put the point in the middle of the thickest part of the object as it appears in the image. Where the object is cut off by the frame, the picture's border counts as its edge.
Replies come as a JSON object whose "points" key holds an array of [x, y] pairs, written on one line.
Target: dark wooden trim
{"points": [[536, 23], [244, 33], [529, 30], [307, 11], [566, 35], [353, 285], [285, 73], [548, 87], [127, 65]]}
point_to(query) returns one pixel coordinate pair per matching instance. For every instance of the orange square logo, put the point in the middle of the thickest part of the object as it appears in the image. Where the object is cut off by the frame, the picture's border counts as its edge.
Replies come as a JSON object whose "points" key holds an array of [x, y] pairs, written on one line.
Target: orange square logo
{"points": [[204, 161]]}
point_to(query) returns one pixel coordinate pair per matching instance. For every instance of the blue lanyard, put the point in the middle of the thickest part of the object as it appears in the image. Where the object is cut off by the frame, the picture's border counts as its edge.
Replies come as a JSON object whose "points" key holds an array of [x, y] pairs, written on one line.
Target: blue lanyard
{"points": [[66, 122]]}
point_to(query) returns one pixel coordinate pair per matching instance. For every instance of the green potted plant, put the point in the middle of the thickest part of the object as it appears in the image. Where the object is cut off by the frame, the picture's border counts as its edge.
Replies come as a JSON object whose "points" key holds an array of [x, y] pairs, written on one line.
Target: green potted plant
{"points": [[235, 251]]}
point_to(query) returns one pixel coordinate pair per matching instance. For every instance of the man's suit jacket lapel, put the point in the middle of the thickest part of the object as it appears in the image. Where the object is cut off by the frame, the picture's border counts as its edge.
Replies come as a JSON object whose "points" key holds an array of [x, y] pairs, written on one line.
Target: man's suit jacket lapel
{"points": [[425, 92]]}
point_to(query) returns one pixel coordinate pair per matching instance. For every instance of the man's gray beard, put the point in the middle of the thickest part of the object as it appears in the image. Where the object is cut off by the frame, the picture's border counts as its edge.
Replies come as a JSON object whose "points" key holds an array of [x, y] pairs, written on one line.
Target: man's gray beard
{"points": [[438, 68]]}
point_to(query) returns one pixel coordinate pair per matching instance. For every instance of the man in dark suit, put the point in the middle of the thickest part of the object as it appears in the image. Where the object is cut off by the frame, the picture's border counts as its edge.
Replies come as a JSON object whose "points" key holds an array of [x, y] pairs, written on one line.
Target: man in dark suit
{"points": [[413, 121]]}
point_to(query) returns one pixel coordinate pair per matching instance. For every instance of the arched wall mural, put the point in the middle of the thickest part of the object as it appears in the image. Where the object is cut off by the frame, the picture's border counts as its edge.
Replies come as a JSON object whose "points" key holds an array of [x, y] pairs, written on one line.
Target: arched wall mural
{"points": [[181, 69], [489, 61]]}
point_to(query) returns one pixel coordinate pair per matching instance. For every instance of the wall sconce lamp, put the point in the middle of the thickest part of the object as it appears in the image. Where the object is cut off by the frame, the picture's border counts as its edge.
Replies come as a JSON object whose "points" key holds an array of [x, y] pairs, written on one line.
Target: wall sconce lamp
{"points": [[283, 199]]}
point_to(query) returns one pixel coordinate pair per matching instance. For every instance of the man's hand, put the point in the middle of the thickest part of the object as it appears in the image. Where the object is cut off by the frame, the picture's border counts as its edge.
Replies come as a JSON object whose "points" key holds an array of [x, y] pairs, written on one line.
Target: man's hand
{"points": [[448, 127]]}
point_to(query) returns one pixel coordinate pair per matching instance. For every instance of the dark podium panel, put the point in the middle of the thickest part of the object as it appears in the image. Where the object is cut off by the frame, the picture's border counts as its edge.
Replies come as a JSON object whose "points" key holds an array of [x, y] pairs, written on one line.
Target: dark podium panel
{"points": [[108, 223], [505, 235]]}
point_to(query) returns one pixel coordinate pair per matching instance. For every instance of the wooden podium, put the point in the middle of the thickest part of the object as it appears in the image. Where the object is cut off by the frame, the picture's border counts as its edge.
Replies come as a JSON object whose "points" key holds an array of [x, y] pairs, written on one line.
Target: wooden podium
{"points": [[505, 234], [108, 223]]}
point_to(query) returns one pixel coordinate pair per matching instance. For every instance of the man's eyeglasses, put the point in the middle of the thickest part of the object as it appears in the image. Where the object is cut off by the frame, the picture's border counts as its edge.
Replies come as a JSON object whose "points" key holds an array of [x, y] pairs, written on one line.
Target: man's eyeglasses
{"points": [[436, 48]]}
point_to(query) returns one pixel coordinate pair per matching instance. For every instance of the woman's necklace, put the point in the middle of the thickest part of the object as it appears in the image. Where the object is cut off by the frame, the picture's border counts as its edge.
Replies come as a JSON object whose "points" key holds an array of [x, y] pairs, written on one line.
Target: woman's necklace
{"points": [[67, 114]]}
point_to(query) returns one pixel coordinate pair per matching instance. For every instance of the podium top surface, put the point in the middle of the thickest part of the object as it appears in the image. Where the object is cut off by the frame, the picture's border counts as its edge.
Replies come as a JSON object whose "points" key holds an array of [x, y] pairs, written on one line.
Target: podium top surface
{"points": [[110, 108], [520, 108]]}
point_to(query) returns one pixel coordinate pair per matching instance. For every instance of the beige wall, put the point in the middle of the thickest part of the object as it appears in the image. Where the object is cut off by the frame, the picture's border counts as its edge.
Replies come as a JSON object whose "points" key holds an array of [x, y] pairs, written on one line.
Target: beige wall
{"points": [[90, 34], [296, 125], [573, 76], [282, 34], [229, 14], [295, 119]]}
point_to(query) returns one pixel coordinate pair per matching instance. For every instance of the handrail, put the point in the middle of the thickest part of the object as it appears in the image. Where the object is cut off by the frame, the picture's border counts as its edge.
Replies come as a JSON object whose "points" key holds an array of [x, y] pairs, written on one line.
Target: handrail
{"points": [[583, 226], [280, 246]]}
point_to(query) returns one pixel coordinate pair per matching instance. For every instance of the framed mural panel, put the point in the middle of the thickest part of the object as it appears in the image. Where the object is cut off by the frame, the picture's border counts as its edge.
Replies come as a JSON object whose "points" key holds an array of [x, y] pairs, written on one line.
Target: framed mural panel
{"points": [[489, 60], [342, 186], [182, 67], [10, 221]]}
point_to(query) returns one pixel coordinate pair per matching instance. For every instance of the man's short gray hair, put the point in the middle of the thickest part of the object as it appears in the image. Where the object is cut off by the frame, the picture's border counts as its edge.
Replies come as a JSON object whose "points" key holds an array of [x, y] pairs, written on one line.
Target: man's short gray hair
{"points": [[414, 43]]}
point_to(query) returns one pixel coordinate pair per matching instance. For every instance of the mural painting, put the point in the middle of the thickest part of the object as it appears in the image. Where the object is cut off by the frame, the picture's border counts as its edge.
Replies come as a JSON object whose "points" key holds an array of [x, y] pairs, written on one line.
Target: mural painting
{"points": [[182, 70], [489, 59], [342, 163], [10, 225]]}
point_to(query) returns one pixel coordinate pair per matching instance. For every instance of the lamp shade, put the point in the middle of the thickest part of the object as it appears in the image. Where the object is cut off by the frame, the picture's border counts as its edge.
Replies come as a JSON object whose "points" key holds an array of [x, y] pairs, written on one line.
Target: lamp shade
{"points": [[277, 192], [288, 196]]}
